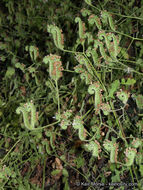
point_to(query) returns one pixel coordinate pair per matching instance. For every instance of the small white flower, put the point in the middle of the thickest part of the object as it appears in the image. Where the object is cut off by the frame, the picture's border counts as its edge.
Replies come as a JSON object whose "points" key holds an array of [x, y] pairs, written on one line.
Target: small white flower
{"points": [[128, 70]]}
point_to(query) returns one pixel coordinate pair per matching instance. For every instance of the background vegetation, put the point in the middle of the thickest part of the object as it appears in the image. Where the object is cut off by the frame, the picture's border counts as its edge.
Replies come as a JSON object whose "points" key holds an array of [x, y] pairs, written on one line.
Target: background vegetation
{"points": [[71, 96]]}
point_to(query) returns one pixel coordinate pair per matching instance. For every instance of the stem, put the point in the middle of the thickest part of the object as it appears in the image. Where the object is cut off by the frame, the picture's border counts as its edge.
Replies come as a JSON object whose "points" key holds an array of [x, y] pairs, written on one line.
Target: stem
{"points": [[97, 76], [132, 175], [119, 125], [139, 39], [135, 174], [132, 69], [44, 173], [57, 90], [40, 128], [10, 150]]}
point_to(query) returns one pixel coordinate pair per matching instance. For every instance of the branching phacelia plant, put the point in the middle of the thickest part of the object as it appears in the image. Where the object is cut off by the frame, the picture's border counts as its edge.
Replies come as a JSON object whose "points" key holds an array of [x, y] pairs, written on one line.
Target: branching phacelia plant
{"points": [[55, 66], [113, 149], [57, 36], [34, 52], [64, 118], [96, 89], [55, 71], [107, 18], [81, 28], [104, 50], [94, 147], [25, 110], [123, 96], [78, 124], [130, 156]]}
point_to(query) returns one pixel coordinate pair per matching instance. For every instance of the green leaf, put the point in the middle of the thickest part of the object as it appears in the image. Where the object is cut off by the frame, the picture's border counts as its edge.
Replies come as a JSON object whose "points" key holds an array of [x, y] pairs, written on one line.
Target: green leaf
{"points": [[141, 169], [55, 172], [65, 172], [2, 46], [128, 82], [116, 178], [65, 181], [10, 72], [20, 66], [79, 162], [139, 100], [113, 89]]}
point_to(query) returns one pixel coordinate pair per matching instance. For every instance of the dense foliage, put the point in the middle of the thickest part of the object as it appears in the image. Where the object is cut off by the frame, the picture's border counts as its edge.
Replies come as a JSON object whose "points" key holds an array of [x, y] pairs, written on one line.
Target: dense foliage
{"points": [[71, 94]]}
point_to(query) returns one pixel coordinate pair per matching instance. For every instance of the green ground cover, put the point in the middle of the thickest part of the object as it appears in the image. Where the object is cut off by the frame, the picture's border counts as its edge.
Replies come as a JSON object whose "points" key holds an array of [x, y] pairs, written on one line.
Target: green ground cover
{"points": [[71, 95]]}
